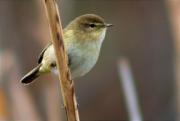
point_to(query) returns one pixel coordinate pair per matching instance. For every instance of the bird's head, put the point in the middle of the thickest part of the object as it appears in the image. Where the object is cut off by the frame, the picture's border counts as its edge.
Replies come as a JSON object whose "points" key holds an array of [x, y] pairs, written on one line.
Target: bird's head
{"points": [[88, 27]]}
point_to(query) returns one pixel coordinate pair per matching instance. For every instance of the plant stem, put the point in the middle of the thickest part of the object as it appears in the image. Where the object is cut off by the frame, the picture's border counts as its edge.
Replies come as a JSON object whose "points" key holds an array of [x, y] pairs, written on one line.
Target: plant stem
{"points": [[66, 83]]}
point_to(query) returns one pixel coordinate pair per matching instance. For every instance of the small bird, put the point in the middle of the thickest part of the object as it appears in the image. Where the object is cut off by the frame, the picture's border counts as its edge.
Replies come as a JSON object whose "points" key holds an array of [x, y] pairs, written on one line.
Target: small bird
{"points": [[83, 38]]}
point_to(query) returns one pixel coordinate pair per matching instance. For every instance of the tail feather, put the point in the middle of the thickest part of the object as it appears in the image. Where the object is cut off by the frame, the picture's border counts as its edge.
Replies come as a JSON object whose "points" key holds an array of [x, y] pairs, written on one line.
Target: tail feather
{"points": [[31, 76]]}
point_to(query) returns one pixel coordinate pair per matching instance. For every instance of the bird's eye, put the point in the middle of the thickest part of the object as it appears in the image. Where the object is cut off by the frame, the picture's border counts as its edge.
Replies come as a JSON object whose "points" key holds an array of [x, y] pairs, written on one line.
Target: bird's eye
{"points": [[92, 25]]}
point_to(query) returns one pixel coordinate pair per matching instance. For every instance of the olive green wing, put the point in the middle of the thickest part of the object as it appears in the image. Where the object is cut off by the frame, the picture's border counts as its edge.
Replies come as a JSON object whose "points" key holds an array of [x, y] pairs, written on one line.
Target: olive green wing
{"points": [[42, 53]]}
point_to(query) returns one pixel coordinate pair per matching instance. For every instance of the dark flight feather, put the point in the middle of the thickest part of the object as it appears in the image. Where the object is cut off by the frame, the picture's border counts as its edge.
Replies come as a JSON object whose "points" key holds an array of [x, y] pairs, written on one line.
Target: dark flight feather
{"points": [[32, 75], [42, 53]]}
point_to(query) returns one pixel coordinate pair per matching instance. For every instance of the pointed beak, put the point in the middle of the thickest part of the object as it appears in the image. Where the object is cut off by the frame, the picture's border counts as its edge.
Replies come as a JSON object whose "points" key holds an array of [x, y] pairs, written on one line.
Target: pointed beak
{"points": [[109, 25]]}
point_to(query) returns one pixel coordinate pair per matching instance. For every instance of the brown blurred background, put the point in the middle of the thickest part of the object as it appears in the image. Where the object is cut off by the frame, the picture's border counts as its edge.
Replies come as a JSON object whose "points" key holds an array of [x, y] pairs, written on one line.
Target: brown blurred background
{"points": [[143, 33]]}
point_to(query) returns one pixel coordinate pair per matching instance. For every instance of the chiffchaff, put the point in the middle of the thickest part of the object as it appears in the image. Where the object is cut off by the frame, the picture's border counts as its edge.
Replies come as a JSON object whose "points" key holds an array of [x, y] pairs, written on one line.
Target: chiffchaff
{"points": [[83, 38]]}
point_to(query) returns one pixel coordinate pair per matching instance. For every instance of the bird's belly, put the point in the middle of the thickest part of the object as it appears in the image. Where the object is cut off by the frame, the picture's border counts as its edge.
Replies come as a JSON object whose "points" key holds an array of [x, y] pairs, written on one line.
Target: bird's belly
{"points": [[81, 65], [82, 60]]}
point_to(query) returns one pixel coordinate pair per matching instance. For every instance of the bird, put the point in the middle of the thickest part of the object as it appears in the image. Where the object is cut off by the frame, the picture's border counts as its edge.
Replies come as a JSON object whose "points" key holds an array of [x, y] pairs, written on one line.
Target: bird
{"points": [[83, 38]]}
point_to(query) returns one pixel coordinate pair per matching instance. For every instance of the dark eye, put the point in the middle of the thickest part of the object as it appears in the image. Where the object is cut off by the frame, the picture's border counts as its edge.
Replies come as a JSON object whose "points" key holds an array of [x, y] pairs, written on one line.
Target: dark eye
{"points": [[92, 25]]}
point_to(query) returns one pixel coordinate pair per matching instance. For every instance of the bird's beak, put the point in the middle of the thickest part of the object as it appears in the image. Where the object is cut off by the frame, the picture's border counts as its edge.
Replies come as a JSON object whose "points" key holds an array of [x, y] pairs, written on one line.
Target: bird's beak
{"points": [[109, 25]]}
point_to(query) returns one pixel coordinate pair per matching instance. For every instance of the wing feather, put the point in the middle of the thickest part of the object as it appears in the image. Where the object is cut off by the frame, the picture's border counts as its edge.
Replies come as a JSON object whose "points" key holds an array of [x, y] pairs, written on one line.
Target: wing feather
{"points": [[42, 53]]}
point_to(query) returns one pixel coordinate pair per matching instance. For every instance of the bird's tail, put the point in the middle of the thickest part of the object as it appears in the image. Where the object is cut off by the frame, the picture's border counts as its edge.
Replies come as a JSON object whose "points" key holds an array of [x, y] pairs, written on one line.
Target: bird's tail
{"points": [[31, 76]]}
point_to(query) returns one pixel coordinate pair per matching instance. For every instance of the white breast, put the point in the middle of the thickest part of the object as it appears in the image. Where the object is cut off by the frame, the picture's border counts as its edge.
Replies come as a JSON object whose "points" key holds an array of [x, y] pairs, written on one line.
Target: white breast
{"points": [[84, 58]]}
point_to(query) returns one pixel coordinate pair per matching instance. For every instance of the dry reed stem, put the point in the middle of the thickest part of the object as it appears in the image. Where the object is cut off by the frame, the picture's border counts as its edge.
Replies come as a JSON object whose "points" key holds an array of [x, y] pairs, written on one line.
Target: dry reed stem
{"points": [[66, 83]]}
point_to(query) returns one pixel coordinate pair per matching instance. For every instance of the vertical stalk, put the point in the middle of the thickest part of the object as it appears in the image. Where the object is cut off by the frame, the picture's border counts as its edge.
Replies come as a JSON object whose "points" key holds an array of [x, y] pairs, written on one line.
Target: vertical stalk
{"points": [[129, 89], [66, 83]]}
